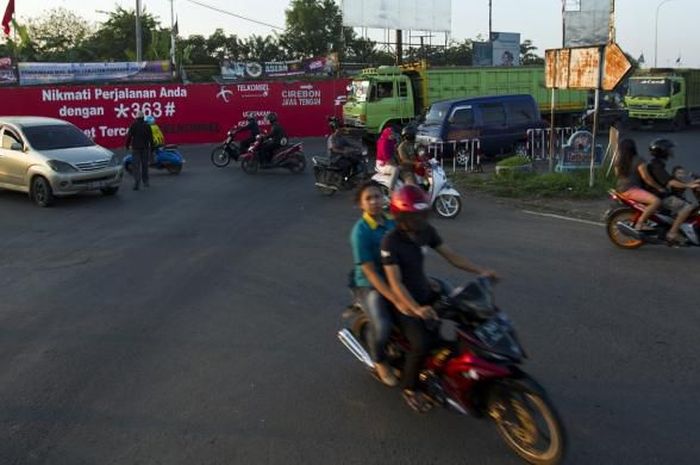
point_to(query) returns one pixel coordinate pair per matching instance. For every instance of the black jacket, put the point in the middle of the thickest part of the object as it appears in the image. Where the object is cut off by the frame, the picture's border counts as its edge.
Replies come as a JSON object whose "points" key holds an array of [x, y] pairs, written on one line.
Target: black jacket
{"points": [[139, 135]]}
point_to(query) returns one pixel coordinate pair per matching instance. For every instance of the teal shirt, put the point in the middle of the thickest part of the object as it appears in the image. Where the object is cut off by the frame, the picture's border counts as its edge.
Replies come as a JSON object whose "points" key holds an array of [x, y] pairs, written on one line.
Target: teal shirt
{"points": [[366, 239]]}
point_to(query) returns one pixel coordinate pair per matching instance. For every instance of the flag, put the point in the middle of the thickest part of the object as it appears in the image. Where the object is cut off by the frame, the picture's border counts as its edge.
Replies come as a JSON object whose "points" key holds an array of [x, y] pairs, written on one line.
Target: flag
{"points": [[176, 30], [678, 60], [641, 60], [7, 18]]}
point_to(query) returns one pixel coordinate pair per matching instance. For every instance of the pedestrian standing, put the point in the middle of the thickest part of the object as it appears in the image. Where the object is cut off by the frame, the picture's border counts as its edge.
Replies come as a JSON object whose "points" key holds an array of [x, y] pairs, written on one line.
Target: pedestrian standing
{"points": [[140, 140]]}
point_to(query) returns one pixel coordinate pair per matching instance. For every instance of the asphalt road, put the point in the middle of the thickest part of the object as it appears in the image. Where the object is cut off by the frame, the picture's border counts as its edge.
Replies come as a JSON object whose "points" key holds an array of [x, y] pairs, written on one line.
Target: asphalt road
{"points": [[194, 323]]}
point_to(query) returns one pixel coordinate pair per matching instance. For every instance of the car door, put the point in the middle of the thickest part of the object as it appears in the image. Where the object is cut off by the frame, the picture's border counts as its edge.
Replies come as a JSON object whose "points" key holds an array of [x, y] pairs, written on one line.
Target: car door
{"points": [[13, 163], [461, 124], [494, 132]]}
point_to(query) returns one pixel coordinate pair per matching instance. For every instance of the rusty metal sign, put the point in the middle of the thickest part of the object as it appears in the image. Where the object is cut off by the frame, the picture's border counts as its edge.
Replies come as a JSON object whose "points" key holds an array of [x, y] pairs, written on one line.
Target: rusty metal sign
{"points": [[580, 68], [616, 66]]}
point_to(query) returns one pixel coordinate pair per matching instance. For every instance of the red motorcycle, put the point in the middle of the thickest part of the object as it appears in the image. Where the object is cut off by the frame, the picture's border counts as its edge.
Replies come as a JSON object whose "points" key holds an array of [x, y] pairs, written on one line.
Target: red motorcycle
{"points": [[233, 146], [475, 370], [621, 219], [289, 157]]}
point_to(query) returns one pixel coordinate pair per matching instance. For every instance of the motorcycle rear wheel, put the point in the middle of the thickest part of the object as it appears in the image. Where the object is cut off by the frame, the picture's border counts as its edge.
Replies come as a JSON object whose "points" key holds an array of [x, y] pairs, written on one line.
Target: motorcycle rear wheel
{"points": [[513, 409], [329, 178], [250, 165], [629, 217], [299, 164], [447, 206], [220, 157]]}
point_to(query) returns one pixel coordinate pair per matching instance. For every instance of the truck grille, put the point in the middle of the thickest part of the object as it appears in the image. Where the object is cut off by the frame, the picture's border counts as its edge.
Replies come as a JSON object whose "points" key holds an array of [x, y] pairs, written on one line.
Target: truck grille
{"points": [[93, 165], [645, 107]]}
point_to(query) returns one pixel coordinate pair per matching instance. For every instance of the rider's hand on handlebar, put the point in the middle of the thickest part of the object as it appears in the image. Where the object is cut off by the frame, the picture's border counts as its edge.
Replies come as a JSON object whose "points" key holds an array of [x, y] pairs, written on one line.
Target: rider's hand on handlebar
{"points": [[426, 312], [490, 274]]}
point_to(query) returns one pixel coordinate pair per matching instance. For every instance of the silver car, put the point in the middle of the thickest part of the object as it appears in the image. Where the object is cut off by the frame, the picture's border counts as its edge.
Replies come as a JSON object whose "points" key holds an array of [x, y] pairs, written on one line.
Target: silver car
{"points": [[48, 158]]}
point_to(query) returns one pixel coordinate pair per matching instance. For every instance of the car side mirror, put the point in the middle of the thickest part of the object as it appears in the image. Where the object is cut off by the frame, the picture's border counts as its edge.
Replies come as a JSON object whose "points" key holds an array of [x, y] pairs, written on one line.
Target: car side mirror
{"points": [[17, 147], [451, 120]]}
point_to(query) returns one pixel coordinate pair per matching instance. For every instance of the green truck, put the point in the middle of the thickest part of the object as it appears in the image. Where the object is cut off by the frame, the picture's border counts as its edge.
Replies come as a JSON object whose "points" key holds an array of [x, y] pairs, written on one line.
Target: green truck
{"points": [[664, 95], [388, 95]]}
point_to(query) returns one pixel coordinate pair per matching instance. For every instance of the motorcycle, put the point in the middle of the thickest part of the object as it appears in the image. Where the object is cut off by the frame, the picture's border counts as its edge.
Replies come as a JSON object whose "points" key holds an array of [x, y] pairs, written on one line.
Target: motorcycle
{"points": [[291, 157], [620, 221], [166, 157], [475, 370], [330, 172], [232, 147], [444, 198]]}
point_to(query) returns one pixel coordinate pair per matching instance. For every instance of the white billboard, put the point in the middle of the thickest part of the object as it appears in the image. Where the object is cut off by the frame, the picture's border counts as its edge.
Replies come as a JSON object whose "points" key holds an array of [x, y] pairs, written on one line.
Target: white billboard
{"points": [[423, 15], [586, 22]]}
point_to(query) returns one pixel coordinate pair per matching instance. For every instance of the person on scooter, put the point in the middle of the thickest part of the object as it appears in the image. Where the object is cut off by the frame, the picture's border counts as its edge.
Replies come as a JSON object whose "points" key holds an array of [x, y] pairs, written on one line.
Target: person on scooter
{"points": [[370, 286], [632, 179], [341, 151], [253, 131], [402, 257], [661, 150], [273, 140]]}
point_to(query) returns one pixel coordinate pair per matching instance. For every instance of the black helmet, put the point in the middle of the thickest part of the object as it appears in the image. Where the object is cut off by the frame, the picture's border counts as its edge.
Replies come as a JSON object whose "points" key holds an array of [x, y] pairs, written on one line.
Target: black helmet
{"points": [[271, 117], [333, 122], [251, 119], [661, 148], [408, 133]]}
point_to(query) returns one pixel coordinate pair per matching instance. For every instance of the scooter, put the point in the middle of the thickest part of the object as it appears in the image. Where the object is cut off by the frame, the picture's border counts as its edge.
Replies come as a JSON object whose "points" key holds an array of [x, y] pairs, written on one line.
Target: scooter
{"points": [[166, 157], [289, 157], [331, 176], [232, 147], [445, 199], [474, 370], [621, 219]]}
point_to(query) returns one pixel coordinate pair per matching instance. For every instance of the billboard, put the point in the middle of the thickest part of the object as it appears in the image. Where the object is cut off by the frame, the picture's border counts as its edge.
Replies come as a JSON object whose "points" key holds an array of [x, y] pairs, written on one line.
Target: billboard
{"points": [[586, 22], [57, 73], [482, 54], [505, 48], [423, 15]]}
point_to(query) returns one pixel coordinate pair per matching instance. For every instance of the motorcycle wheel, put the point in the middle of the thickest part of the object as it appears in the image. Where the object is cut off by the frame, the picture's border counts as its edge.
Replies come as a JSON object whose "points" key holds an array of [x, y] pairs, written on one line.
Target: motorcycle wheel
{"points": [[299, 164], [528, 422], [250, 165], [447, 206], [220, 157], [629, 217], [330, 178], [174, 169]]}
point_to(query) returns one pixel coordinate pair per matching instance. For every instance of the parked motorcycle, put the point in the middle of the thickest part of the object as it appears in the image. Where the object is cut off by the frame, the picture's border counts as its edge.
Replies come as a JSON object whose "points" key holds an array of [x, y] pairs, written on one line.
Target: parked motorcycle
{"points": [[445, 199], [232, 147], [330, 173], [166, 157], [475, 370], [621, 219], [289, 157]]}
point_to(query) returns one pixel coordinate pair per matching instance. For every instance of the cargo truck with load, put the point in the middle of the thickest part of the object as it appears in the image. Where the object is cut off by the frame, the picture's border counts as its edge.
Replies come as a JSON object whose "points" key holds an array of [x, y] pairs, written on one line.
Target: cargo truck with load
{"points": [[665, 96], [395, 95]]}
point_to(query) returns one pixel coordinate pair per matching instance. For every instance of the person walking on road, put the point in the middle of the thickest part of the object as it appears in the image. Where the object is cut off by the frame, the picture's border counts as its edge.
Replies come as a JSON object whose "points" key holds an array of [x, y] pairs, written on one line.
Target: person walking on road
{"points": [[140, 140]]}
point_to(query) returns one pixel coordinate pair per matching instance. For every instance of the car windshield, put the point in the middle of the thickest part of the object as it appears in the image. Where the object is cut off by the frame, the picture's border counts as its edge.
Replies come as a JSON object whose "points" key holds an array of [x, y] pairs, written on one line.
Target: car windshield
{"points": [[359, 90], [57, 136], [436, 114], [649, 88]]}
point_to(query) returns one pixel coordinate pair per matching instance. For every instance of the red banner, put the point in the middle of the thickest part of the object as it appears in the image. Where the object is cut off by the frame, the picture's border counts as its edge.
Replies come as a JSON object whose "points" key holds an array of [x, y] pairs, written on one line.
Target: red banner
{"points": [[192, 113]]}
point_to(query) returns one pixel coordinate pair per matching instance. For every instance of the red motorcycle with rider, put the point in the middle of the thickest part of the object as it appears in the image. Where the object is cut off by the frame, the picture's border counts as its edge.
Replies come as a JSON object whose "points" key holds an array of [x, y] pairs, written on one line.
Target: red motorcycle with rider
{"points": [[272, 151], [238, 140]]}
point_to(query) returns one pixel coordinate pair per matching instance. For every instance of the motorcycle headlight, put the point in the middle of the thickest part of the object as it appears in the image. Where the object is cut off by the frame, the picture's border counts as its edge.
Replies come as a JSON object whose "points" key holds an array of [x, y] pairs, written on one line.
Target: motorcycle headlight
{"points": [[61, 166]]}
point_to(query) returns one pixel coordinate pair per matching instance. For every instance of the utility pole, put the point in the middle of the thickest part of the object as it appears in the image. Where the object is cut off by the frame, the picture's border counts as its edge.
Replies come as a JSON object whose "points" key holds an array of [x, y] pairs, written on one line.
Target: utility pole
{"points": [[172, 36], [490, 19], [139, 45]]}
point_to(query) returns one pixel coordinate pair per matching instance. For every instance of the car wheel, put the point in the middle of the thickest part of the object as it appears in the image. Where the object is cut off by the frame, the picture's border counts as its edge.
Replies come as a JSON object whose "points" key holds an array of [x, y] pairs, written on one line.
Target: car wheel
{"points": [[41, 192]]}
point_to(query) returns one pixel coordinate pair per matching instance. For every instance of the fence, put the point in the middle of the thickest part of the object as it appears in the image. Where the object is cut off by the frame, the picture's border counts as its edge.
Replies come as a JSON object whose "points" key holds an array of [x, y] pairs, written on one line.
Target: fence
{"points": [[538, 141], [465, 152]]}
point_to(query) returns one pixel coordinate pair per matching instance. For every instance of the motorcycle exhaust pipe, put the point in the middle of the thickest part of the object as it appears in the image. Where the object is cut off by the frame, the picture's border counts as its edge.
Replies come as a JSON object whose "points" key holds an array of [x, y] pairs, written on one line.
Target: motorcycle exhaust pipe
{"points": [[349, 341], [628, 230], [325, 186]]}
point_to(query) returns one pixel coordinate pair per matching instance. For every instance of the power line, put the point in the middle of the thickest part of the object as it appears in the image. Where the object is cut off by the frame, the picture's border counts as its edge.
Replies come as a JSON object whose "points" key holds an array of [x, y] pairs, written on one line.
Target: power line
{"points": [[219, 10]]}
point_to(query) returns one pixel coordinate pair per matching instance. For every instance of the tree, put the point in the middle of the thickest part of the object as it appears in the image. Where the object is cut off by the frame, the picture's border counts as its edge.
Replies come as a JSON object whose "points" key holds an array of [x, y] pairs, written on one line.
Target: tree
{"points": [[528, 55], [258, 48], [59, 35], [313, 28], [115, 39]]}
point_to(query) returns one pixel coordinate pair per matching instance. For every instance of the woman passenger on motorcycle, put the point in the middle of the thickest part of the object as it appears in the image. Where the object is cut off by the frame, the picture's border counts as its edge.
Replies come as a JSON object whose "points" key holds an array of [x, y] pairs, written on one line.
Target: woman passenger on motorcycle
{"points": [[632, 177], [402, 256], [386, 147], [371, 287]]}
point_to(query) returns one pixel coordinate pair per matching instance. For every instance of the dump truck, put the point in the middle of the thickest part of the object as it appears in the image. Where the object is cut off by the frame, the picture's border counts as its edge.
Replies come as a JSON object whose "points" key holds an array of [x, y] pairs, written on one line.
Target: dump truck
{"points": [[664, 96], [388, 95]]}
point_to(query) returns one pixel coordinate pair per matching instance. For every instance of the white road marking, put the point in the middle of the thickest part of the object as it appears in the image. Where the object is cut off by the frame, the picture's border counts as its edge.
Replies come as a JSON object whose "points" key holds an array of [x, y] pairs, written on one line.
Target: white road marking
{"points": [[565, 218]]}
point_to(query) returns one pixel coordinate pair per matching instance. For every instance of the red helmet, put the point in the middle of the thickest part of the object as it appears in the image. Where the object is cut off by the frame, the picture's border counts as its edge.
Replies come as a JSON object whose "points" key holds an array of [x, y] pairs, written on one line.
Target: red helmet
{"points": [[409, 199]]}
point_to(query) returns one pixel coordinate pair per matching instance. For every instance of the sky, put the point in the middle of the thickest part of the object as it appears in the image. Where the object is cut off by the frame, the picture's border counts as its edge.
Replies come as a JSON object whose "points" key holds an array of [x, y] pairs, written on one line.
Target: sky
{"points": [[538, 20]]}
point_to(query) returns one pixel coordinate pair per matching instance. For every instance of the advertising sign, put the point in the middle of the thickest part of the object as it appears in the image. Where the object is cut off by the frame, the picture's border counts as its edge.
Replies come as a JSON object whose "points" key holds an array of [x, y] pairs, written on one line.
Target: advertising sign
{"points": [[64, 73], [482, 54], [586, 22], [195, 113], [576, 154], [232, 70], [416, 15], [505, 48], [7, 73]]}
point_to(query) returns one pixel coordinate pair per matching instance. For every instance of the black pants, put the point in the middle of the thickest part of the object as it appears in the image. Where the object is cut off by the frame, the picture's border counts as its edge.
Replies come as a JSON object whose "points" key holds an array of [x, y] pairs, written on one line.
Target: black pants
{"points": [[267, 150], [140, 165], [421, 341]]}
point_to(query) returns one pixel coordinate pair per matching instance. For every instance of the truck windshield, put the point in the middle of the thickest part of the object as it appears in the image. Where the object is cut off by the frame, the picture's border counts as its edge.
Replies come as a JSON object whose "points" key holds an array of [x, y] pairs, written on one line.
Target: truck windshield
{"points": [[359, 90], [649, 88], [436, 114]]}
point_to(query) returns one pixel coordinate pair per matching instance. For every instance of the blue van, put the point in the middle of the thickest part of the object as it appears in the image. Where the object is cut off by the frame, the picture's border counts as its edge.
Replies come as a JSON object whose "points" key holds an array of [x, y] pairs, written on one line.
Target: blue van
{"points": [[499, 122]]}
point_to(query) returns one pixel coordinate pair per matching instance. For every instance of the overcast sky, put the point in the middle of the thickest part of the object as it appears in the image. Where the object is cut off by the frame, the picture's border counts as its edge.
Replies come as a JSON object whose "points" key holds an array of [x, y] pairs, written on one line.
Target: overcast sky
{"points": [[538, 20]]}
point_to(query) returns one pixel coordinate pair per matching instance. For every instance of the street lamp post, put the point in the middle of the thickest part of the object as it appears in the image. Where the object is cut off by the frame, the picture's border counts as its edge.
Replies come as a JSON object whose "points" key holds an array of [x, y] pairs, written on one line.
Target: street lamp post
{"points": [[656, 33], [139, 46]]}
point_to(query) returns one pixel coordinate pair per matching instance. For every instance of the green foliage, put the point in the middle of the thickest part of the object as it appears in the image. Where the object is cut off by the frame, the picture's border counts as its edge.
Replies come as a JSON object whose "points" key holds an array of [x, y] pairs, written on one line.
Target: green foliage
{"points": [[528, 55], [515, 160], [314, 28], [59, 35], [119, 29]]}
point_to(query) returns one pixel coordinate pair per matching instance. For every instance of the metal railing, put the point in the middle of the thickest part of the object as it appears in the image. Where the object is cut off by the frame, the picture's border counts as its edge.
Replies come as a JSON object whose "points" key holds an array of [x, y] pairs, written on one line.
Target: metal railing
{"points": [[465, 152], [538, 141]]}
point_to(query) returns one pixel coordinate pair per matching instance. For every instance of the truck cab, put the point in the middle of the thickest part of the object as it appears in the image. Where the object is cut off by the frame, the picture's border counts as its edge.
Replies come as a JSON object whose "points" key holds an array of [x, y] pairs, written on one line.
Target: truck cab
{"points": [[655, 97]]}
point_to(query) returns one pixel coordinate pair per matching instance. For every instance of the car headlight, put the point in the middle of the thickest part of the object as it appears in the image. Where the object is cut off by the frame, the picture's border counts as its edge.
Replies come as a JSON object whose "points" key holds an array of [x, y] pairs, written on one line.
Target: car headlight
{"points": [[61, 166]]}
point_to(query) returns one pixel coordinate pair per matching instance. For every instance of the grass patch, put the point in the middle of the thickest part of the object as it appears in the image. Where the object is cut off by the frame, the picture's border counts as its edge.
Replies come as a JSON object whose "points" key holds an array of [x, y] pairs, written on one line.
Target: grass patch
{"points": [[515, 160], [573, 185]]}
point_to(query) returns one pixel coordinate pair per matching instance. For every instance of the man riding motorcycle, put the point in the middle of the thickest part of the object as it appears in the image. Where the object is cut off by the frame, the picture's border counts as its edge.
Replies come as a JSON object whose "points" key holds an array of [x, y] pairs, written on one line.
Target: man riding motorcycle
{"points": [[254, 129], [661, 150], [402, 258], [273, 140], [341, 151]]}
